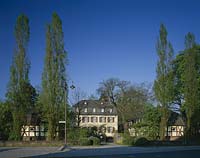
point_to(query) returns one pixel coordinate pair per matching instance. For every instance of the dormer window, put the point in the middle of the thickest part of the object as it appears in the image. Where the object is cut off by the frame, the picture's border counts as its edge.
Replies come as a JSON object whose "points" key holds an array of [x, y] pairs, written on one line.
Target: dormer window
{"points": [[101, 103], [110, 110], [85, 103], [102, 110], [94, 110], [77, 110], [85, 110]]}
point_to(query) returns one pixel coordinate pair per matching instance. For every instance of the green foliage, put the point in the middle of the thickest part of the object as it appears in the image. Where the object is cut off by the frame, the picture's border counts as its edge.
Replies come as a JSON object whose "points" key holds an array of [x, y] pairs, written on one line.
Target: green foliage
{"points": [[191, 88], [73, 134], [187, 76], [54, 89], [92, 131], [149, 126], [85, 141], [83, 133], [178, 71], [5, 120], [95, 140], [127, 139], [163, 85], [82, 136], [20, 94]]}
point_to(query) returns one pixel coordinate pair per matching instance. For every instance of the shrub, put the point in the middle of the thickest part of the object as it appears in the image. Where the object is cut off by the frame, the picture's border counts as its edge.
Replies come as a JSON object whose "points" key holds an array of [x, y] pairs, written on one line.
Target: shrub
{"points": [[127, 139], [85, 141], [142, 141], [95, 140], [73, 134], [83, 132]]}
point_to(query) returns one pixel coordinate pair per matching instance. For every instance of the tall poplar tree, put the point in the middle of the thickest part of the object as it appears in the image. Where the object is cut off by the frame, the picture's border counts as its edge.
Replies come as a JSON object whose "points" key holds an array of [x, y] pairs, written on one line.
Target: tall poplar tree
{"points": [[163, 85], [19, 79], [54, 87], [189, 40], [191, 84]]}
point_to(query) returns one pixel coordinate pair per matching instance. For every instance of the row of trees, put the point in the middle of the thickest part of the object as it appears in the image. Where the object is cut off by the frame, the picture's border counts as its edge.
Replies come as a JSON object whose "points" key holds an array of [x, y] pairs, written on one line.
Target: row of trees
{"points": [[176, 88], [21, 96], [177, 85]]}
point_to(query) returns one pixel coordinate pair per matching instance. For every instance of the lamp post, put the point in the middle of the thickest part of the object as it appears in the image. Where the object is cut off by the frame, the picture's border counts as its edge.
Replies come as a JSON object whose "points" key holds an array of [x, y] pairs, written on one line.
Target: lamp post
{"points": [[65, 87], [65, 102]]}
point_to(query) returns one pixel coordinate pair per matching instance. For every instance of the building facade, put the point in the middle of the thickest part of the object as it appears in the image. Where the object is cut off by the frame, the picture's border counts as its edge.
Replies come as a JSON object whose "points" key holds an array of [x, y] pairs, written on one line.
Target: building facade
{"points": [[176, 127], [173, 131], [33, 129], [95, 113]]}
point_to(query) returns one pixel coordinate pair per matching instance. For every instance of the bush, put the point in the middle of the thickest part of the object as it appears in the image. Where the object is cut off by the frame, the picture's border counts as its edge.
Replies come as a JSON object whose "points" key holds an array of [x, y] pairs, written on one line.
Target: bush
{"points": [[73, 134], [95, 140], [83, 132], [141, 141], [85, 141], [79, 136], [127, 139]]}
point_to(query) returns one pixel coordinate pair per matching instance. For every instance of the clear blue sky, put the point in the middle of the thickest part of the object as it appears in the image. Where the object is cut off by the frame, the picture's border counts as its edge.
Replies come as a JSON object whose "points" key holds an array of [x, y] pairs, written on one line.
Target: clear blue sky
{"points": [[104, 38]]}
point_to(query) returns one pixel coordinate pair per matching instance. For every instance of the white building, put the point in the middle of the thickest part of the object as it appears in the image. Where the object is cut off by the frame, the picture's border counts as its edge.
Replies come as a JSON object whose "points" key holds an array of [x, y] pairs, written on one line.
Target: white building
{"points": [[95, 113]]}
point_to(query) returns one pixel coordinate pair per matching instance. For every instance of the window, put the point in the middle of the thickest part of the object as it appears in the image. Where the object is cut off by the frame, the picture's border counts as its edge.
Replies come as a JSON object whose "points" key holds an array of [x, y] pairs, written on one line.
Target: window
{"points": [[85, 119], [85, 110], [110, 110], [77, 110], [95, 119], [102, 109], [32, 128], [102, 119], [110, 130], [173, 129], [111, 119], [94, 110]]}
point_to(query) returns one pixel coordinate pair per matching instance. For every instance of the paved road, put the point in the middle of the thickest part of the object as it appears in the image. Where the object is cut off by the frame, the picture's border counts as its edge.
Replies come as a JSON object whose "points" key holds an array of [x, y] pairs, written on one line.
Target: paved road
{"points": [[103, 151]]}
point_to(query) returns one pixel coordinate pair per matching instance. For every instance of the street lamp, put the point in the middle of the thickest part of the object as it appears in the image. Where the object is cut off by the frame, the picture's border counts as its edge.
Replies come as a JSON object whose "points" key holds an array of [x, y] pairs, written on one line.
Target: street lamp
{"points": [[65, 94]]}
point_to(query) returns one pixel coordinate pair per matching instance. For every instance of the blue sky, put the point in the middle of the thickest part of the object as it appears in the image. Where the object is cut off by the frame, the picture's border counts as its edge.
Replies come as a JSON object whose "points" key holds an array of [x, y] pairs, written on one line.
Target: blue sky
{"points": [[104, 38]]}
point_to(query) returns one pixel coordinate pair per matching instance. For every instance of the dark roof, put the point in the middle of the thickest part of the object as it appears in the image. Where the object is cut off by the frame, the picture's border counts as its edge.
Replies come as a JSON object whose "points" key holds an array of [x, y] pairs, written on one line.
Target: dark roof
{"points": [[90, 104], [32, 118], [175, 119]]}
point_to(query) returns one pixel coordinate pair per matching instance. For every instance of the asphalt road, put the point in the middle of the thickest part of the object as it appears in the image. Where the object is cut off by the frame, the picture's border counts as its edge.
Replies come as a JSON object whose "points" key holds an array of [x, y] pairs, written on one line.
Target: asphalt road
{"points": [[103, 152], [175, 154]]}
